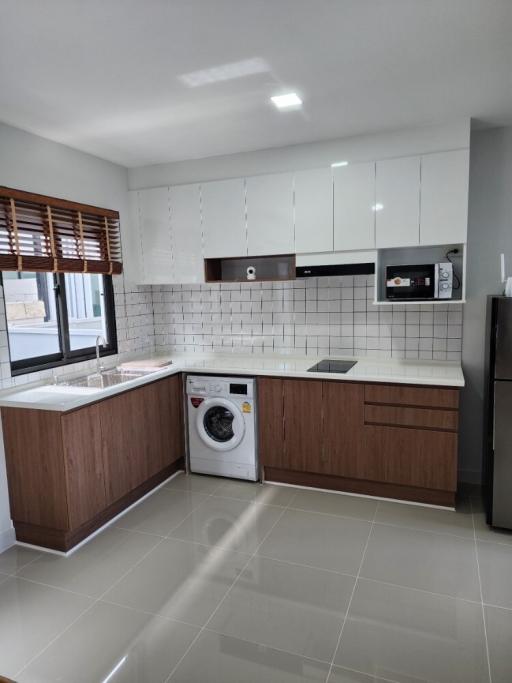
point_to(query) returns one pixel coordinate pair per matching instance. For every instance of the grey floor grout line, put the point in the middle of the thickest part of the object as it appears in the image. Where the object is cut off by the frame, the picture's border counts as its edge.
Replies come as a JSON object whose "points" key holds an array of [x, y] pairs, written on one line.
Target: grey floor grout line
{"points": [[205, 626], [95, 601], [352, 595], [481, 595]]}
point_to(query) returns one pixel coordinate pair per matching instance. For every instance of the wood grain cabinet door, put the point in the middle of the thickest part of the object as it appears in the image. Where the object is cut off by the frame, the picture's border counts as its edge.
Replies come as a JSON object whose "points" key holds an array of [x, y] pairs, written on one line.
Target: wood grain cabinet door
{"points": [[303, 425], [85, 477], [270, 423]]}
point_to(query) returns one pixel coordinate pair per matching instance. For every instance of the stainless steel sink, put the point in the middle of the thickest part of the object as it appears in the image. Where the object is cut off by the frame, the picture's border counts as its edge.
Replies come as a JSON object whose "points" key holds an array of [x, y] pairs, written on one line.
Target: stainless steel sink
{"points": [[104, 379]]}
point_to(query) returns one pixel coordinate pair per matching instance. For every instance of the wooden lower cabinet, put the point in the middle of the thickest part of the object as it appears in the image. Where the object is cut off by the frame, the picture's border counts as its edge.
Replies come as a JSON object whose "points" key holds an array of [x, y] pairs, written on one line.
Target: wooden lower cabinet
{"points": [[386, 440], [69, 473]]}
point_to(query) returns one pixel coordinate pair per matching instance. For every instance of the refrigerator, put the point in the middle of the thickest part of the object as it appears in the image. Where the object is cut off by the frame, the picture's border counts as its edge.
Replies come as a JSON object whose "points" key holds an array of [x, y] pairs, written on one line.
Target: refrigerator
{"points": [[498, 413]]}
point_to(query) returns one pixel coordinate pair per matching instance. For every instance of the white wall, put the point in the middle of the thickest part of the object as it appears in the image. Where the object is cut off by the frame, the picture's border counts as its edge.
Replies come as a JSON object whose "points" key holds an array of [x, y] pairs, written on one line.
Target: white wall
{"points": [[490, 233], [29, 162], [404, 142]]}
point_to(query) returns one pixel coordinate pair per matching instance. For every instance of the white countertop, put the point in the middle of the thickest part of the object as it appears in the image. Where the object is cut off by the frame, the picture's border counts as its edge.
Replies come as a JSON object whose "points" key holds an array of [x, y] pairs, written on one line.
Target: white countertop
{"points": [[45, 396]]}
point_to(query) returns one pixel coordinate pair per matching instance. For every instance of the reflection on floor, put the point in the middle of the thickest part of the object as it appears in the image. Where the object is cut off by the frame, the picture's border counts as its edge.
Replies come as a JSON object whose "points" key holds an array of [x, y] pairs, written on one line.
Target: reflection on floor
{"points": [[216, 581]]}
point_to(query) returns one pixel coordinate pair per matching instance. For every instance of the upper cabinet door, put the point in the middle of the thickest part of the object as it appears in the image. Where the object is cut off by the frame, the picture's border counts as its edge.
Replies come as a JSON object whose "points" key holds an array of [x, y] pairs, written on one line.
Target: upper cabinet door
{"points": [[187, 237], [444, 197], [354, 201], [313, 210], [155, 235], [223, 211], [270, 214], [397, 202]]}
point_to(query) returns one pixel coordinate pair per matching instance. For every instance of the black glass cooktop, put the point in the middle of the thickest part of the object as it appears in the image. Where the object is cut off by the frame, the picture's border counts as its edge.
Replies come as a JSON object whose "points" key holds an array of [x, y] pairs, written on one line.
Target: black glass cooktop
{"points": [[328, 365]]}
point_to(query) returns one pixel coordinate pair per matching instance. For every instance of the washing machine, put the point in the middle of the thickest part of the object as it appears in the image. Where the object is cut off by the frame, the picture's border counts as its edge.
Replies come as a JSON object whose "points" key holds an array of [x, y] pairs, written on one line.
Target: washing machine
{"points": [[221, 415]]}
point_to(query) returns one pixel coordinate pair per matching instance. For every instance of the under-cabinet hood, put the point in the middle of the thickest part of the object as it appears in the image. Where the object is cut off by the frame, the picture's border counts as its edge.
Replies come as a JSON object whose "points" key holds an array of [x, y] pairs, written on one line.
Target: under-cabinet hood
{"points": [[336, 263]]}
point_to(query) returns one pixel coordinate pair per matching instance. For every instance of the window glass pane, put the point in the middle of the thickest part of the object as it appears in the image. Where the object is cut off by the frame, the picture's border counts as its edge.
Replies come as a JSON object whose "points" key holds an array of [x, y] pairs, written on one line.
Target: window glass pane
{"points": [[86, 309], [31, 314]]}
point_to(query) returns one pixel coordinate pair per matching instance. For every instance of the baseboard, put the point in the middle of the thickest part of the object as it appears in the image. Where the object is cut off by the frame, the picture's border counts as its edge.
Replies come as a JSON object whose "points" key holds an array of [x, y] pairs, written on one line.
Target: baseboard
{"points": [[7, 538]]}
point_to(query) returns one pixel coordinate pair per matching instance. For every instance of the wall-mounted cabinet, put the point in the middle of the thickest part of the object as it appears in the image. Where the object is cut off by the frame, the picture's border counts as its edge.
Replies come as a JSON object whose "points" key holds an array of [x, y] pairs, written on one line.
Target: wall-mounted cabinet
{"points": [[397, 202], [224, 220], [270, 214], [155, 234], [313, 211], [354, 200], [187, 235]]}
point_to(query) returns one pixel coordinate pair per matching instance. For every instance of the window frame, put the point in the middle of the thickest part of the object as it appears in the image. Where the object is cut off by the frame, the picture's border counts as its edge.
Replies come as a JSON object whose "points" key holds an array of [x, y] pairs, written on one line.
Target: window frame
{"points": [[67, 356]]}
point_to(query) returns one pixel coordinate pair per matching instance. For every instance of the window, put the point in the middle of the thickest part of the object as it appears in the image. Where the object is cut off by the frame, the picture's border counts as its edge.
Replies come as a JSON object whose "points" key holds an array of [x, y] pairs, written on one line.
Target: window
{"points": [[54, 319]]}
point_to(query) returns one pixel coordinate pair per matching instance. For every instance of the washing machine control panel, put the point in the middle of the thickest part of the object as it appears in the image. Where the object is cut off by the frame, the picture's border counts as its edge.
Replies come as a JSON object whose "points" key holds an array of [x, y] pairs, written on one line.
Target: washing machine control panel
{"points": [[213, 386]]}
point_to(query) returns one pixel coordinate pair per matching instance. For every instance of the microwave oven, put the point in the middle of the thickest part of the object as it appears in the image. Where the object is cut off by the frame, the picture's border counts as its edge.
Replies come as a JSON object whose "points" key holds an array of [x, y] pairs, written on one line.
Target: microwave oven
{"points": [[419, 282]]}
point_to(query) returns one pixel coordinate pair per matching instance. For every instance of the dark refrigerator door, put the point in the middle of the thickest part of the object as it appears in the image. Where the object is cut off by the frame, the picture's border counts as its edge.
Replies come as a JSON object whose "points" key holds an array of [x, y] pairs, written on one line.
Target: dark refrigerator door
{"points": [[502, 460], [503, 349]]}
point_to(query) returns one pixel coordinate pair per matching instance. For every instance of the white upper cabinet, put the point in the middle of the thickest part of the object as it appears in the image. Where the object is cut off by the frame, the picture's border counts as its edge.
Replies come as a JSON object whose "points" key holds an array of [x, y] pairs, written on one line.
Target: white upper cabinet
{"points": [[155, 235], [397, 202], [313, 211], [187, 237], [354, 201], [270, 214], [444, 197], [223, 212]]}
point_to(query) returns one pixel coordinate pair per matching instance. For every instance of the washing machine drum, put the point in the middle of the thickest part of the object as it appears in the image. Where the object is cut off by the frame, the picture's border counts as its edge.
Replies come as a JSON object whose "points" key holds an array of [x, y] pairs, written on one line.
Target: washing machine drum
{"points": [[220, 424]]}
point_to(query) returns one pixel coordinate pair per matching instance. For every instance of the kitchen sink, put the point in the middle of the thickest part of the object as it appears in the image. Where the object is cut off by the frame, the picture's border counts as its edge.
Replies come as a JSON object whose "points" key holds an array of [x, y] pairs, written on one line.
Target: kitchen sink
{"points": [[104, 379]]}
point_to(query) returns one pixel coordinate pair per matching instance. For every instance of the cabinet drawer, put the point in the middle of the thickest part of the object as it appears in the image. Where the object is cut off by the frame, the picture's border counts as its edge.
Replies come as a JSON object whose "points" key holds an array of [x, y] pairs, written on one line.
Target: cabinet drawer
{"points": [[420, 418], [393, 394]]}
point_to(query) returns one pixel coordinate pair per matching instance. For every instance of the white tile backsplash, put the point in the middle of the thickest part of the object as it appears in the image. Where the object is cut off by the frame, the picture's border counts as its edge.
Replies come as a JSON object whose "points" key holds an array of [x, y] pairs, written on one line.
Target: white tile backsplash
{"points": [[317, 316]]}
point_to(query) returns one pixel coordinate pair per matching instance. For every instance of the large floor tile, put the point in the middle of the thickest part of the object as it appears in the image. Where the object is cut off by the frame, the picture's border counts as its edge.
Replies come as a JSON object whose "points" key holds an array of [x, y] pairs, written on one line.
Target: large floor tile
{"points": [[339, 675], [180, 579], [459, 522], [335, 504], [407, 635], [16, 557], [496, 573], [115, 644], [198, 483], [32, 615], [483, 531], [268, 494], [95, 566], [233, 524], [422, 559], [216, 658], [324, 541], [499, 636], [161, 512], [293, 608]]}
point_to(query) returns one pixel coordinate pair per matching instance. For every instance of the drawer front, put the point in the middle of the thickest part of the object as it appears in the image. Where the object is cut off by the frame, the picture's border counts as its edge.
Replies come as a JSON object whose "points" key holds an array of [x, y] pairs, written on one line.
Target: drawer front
{"points": [[420, 418], [393, 394]]}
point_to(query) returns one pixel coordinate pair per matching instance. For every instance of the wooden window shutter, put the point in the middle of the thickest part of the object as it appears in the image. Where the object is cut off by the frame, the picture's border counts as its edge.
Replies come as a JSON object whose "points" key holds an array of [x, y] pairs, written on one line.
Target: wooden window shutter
{"points": [[39, 233]]}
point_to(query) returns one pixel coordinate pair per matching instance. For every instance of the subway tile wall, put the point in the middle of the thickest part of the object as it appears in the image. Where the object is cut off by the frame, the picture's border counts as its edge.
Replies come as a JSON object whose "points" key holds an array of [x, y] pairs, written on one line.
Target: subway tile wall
{"points": [[315, 316], [135, 332]]}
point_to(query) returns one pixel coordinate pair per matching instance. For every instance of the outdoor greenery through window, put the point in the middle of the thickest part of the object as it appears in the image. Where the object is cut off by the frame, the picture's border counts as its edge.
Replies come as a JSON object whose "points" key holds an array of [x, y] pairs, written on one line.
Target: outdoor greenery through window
{"points": [[54, 319]]}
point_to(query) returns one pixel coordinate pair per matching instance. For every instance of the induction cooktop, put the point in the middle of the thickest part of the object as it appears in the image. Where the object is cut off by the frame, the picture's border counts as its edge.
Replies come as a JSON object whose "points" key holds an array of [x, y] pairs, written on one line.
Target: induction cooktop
{"points": [[328, 365]]}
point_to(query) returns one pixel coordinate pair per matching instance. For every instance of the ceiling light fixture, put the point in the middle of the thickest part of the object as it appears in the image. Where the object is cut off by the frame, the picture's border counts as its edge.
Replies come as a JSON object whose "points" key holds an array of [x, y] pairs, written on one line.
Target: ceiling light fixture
{"points": [[287, 101], [377, 207], [337, 164]]}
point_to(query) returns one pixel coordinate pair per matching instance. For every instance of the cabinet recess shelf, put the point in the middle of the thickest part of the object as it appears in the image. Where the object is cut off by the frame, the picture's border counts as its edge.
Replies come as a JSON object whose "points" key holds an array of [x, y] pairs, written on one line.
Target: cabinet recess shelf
{"points": [[268, 268]]}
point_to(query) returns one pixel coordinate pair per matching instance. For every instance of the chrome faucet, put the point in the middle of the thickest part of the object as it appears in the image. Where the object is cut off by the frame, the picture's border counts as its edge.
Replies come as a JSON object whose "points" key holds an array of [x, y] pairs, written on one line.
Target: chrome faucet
{"points": [[100, 341]]}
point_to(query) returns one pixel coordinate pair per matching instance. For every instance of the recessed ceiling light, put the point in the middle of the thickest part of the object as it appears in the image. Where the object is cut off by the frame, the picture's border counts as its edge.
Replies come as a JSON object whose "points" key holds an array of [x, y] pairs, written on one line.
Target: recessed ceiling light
{"points": [[336, 164], [291, 99], [377, 207]]}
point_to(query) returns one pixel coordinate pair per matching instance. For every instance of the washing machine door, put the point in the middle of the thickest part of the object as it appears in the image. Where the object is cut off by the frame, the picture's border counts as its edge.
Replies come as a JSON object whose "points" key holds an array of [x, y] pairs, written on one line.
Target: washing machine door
{"points": [[220, 424]]}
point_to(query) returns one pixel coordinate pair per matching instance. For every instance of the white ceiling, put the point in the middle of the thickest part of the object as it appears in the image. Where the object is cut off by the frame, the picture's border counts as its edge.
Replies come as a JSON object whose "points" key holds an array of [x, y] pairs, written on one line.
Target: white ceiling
{"points": [[104, 75]]}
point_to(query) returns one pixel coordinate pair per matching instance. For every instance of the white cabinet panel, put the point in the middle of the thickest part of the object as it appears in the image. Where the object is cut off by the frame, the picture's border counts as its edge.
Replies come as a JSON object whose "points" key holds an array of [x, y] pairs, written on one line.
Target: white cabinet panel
{"points": [[313, 210], [270, 214], [187, 238], [223, 212], [397, 202], [354, 200], [155, 234], [444, 197]]}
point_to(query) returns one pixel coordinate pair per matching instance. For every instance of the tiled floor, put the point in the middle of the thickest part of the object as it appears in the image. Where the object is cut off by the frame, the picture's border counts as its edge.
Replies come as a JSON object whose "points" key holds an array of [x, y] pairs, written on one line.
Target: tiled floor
{"points": [[217, 581]]}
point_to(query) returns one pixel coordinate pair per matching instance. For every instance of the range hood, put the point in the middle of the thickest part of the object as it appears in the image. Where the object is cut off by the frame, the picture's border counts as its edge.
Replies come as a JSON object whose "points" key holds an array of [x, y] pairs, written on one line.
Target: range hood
{"points": [[336, 263]]}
